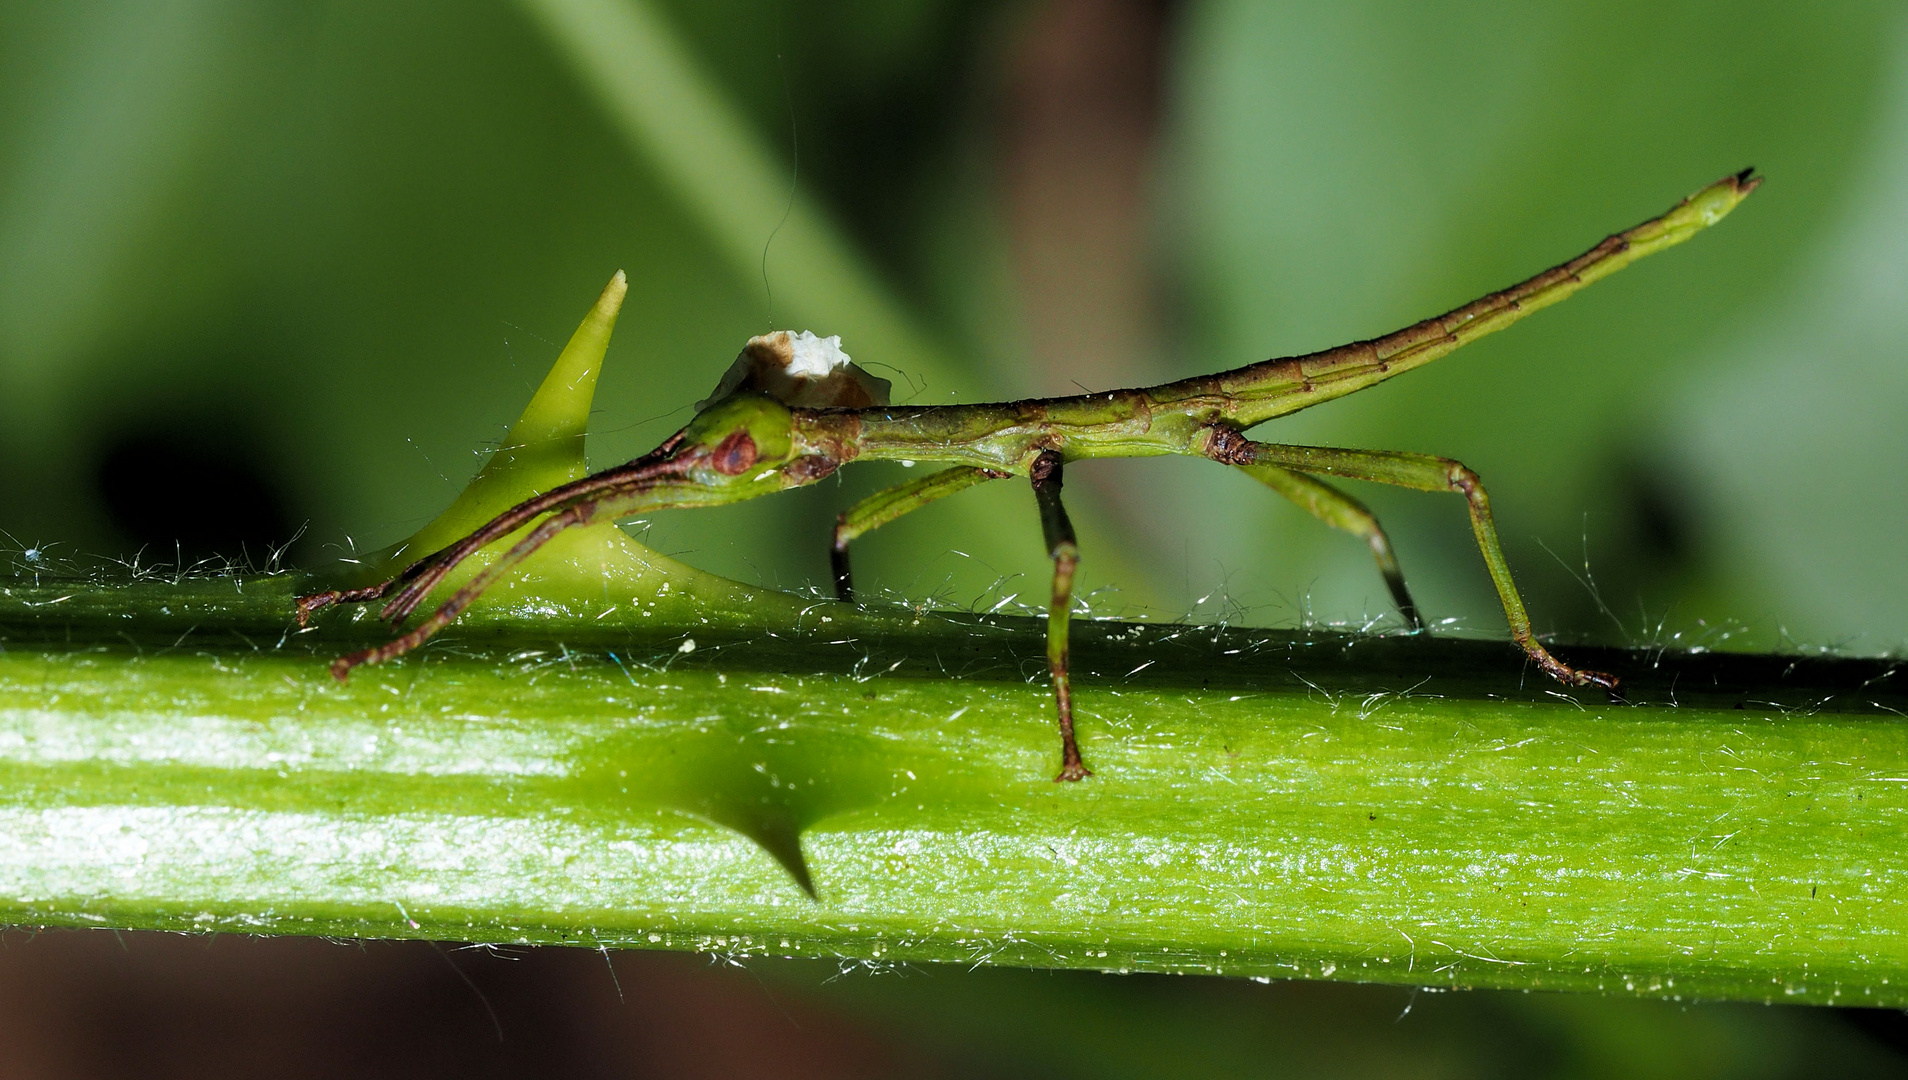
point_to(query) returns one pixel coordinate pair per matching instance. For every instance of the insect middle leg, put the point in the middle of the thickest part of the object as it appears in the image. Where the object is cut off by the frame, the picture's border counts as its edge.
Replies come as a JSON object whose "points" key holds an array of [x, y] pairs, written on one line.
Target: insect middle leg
{"points": [[1064, 550], [1421, 472], [884, 506], [1341, 511]]}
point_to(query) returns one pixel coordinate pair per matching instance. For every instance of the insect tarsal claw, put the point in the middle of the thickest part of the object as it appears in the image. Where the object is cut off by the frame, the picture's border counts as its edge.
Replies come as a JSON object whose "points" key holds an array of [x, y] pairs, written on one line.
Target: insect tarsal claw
{"points": [[1608, 682], [1071, 772], [307, 605]]}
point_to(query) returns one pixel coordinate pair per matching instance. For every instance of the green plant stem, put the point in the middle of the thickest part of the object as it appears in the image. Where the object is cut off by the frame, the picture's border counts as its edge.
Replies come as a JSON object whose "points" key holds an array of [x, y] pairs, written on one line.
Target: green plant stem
{"points": [[1315, 805]]}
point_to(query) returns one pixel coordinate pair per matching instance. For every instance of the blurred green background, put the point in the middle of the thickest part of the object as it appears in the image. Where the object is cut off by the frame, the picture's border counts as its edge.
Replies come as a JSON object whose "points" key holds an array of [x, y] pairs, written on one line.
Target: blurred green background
{"points": [[282, 265], [282, 269]]}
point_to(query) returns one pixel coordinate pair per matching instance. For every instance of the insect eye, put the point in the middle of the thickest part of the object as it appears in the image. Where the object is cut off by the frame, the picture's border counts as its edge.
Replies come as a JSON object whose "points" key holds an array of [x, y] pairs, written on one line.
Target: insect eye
{"points": [[734, 455]]}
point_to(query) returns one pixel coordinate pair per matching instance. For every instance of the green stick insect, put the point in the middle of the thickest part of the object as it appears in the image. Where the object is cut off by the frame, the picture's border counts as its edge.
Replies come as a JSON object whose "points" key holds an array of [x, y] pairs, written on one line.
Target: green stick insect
{"points": [[793, 409]]}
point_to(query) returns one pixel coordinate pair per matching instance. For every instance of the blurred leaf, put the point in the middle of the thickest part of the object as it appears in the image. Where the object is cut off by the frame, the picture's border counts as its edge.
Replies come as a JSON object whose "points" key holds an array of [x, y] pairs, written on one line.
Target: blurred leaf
{"points": [[679, 124], [717, 168], [1350, 168], [1794, 430]]}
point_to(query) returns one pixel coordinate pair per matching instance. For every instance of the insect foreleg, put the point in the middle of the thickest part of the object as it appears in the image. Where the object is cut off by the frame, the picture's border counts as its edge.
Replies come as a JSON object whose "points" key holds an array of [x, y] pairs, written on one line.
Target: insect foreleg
{"points": [[1421, 472], [416, 581], [1341, 511], [884, 506], [423, 576], [1064, 550], [434, 564], [579, 514], [316, 602]]}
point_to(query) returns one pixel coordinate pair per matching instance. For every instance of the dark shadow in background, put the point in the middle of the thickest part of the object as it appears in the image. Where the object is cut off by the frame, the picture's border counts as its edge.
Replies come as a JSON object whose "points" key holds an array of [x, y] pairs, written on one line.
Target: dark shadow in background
{"points": [[192, 488], [105, 1004], [99, 1003]]}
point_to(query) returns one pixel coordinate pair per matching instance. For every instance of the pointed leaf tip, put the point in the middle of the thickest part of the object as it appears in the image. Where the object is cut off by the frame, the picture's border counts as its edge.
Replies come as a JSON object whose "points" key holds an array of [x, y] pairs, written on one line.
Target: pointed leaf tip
{"points": [[544, 448], [610, 301], [559, 413], [574, 572]]}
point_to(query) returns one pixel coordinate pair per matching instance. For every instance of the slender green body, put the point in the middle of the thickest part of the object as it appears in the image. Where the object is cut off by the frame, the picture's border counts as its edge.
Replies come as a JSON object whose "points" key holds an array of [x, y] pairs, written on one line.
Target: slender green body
{"points": [[751, 443], [1172, 418]]}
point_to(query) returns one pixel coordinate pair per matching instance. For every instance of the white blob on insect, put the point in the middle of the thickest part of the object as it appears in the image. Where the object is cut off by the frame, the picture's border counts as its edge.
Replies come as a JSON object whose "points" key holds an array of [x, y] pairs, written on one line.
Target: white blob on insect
{"points": [[815, 357], [802, 370]]}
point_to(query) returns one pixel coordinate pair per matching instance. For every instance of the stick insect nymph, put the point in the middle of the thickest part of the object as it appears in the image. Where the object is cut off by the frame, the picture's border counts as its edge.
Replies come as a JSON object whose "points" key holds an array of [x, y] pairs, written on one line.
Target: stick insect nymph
{"points": [[793, 410]]}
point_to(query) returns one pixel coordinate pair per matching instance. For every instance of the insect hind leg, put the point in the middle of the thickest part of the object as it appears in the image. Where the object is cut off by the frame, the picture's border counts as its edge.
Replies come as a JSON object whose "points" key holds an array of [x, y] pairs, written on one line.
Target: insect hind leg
{"points": [[1341, 511], [1420, 472]]}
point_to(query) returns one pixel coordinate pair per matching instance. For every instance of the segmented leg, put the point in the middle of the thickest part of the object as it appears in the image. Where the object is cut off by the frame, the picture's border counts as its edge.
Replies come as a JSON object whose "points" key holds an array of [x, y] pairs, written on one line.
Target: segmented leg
{"points": [[416, 581], [1341, 511], [884, 506], [308, 605], [1064, 550], [597, 487], [580, 514], [1421, 472]]}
